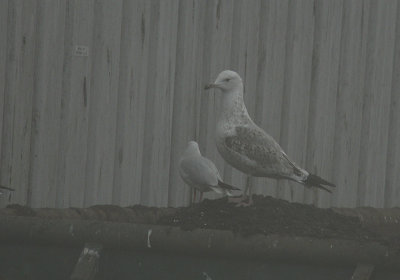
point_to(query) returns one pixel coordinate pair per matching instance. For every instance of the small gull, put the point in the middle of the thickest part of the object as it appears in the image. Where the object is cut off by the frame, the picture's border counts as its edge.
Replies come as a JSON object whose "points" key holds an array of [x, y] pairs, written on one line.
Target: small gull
{"points": [[249, 148], [201, 173]]}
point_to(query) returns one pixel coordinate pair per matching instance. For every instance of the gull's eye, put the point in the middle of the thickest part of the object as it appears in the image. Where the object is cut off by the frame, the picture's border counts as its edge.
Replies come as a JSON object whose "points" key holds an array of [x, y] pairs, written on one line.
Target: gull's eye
{"points": [[227, 79]]}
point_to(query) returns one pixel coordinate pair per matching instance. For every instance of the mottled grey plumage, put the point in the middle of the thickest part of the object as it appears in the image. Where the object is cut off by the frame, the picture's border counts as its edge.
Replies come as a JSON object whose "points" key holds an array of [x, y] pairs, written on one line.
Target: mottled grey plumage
{"points": [[257, 153], [246, 146]]}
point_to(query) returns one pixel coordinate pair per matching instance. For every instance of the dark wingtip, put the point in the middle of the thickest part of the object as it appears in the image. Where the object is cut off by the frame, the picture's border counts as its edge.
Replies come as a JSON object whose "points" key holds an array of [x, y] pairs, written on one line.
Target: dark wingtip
{"points": [[6, 188], [323, 188], [316, 181], [227, 186]]}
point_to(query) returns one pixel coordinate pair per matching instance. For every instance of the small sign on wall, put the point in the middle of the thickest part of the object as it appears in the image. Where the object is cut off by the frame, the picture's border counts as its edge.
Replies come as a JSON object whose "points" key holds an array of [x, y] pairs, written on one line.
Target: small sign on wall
{"points": [[81, 50]]}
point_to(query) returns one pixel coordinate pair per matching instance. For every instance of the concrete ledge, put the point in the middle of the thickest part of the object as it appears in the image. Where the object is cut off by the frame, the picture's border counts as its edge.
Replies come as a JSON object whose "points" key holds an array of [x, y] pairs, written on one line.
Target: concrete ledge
{"points": [[216, 243]]}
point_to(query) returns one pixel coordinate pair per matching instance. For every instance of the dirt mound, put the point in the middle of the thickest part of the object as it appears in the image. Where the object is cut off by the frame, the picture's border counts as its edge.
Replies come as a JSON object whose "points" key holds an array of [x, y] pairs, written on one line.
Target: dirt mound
{"points": [[269, 216]]}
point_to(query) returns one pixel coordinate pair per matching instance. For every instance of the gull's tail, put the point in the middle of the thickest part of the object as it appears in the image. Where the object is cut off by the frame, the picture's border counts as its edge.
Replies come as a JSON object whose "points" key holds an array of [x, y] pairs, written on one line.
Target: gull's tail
{"points": [[317, 182], [6, 188], [226, 186]]}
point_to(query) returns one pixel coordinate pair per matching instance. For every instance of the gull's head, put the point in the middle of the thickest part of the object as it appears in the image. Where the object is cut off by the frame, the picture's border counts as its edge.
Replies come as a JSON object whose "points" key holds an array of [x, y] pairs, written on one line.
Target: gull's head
{"points": [[192, 148], [226, 81]]}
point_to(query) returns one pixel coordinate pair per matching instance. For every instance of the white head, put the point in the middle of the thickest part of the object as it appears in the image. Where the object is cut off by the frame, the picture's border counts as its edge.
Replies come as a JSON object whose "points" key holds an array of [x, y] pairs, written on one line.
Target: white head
{"points": [[192, 148], [227, 81]]}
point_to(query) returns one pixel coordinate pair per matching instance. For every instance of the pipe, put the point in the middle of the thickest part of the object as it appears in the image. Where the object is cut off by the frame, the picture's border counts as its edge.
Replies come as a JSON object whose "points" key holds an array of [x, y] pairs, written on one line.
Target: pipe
{"points": [[204, 242]]}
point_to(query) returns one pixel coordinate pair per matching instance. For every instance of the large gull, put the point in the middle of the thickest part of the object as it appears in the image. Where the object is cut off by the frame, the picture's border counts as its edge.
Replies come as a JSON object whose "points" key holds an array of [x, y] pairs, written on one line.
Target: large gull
{"points": [[201, 173], [249, 148]]}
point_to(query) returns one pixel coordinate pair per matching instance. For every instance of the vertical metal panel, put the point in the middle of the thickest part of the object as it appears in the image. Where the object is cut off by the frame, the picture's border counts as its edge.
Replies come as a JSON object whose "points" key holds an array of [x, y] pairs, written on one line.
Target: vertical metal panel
{"points": [[392, 190], [138, 97], [102, 102], [159, 94], [109, 127], [296, 90], [270, 74], [162, 104], [349, 102], [376, 106], [45, 164], [17, 95], [183, 115], [3, 69], [130, 110], [11, 15], [322, 104], [75, 100]]}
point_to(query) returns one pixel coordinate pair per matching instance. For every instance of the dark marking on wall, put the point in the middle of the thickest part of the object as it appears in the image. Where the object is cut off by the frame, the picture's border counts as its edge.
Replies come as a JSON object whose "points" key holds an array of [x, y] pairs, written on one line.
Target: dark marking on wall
{"points": [[108, 56], [193, 10], [131, 91], [362, 21], [120, 156], [314, 9], [84, 92], [143, 29], [109, 63], [23, 44], [218, 14]]}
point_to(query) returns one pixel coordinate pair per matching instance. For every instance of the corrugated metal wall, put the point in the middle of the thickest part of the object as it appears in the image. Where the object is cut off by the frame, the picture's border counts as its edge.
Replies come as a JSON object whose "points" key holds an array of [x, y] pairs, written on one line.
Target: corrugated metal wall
{"points": [[108, 126]]}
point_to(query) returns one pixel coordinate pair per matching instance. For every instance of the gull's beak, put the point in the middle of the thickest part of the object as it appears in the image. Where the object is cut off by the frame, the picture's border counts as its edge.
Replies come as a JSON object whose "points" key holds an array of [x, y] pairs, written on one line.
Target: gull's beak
{"points": [[210, 86]]}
